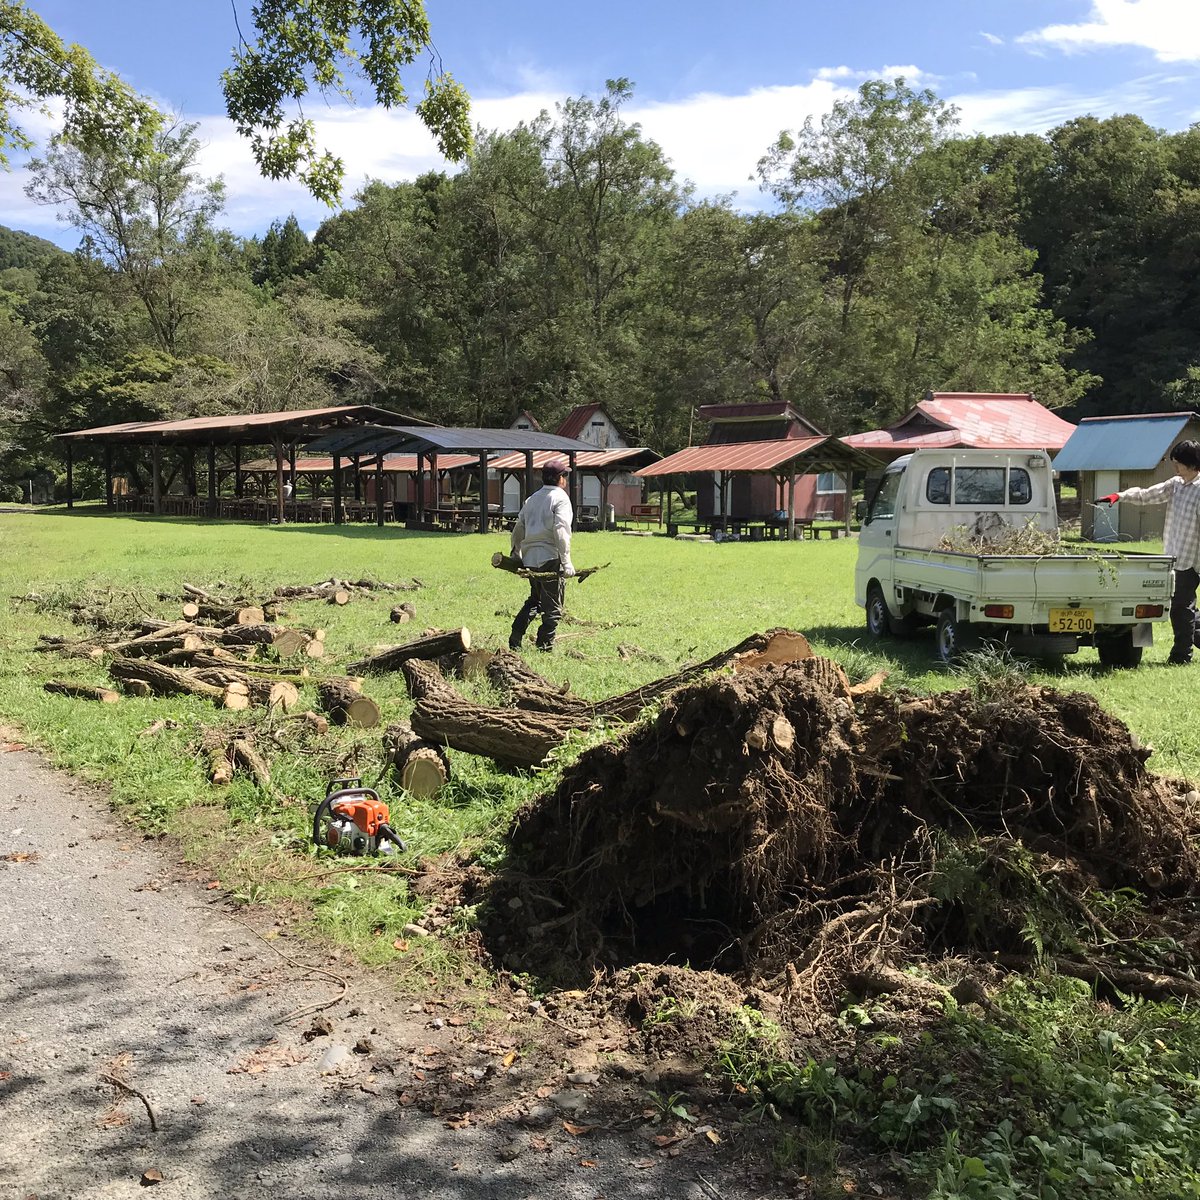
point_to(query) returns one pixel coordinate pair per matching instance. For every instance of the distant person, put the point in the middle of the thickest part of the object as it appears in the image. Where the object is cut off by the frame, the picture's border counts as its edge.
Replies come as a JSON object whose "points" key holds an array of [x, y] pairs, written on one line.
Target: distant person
{"points": [[287, 491], [541, 539], [1181, 540]]}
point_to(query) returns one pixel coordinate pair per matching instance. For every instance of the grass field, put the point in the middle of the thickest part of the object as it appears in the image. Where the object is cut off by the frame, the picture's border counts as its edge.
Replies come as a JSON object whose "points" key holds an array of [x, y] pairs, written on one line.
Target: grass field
{"points": [[1112, 1090]]}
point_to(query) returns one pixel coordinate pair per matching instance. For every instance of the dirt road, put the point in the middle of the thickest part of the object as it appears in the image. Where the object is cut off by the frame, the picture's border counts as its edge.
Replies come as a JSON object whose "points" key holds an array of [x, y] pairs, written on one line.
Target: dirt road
{"points": [[116, 968]]}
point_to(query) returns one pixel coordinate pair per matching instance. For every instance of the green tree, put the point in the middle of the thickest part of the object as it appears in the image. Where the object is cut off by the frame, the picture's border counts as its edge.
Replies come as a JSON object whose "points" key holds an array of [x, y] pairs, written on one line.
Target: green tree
{"points": [[295, 46], [147, 215]]}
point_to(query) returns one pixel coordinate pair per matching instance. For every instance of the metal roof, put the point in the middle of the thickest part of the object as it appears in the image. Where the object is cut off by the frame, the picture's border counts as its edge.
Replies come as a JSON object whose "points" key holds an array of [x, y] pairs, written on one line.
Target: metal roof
{"points": [[242, 428], [1133, 443], [802, 454], [394, 463], [414, 439], [576, 421], [986, 420], [623, 458]]}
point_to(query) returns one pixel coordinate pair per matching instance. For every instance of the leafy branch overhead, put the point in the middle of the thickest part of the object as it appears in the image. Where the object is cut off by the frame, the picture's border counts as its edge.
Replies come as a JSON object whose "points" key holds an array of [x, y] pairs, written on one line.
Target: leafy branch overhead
{"points": [[316, 44], [298, 46]]}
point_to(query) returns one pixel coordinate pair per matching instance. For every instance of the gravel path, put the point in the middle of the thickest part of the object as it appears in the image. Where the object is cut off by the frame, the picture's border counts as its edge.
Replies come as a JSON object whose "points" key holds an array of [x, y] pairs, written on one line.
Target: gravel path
{"points": [[113, 962]]}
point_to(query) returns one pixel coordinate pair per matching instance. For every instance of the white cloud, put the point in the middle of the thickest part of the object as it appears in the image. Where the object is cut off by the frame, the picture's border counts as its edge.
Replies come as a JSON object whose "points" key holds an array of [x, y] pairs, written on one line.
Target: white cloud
{"points": [[991, 38], [1038, 109], [1170, 29]]}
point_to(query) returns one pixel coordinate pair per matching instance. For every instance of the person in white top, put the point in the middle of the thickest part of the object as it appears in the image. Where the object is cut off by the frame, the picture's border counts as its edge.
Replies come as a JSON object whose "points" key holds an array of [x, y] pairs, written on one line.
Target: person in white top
{"points": [[1181, 539], [541, 539]]}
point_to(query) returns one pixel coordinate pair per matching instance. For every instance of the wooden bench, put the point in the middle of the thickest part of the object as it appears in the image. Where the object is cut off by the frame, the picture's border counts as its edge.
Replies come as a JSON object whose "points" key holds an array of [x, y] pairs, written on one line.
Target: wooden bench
{"points": [[644, 514]]}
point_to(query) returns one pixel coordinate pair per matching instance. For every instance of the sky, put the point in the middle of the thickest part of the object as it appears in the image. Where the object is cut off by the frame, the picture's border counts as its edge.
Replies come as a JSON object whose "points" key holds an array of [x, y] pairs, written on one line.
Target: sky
{"points": [[714, 82]]}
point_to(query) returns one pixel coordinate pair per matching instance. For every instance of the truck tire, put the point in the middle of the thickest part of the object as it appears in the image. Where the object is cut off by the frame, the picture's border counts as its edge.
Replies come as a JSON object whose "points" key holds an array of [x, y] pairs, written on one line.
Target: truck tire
{"points": [[1117, 649], [953, 638], [880, 621]]}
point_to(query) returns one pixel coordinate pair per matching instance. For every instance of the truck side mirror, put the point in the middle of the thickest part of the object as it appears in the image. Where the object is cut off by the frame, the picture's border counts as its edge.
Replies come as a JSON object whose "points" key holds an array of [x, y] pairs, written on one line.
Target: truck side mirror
{"points": [[860, 510]]}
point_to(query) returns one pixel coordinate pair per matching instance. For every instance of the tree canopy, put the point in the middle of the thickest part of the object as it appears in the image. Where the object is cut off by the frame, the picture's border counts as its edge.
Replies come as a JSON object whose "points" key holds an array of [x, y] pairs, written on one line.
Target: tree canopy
{"points": [[290, 48]]}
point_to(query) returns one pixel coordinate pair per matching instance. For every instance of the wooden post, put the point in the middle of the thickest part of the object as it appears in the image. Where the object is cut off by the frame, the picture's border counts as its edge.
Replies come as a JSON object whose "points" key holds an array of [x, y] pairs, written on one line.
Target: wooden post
{"points": [[70, 477], [278, 481], [670, 498], [849, 499], [483, 492], [434, 481], [337, 489], [791, 506], [239, 486], [574, 489], [379, 489], [109, 499], [356, 460], [604, 478], [528, 476], [212, 479], [292, 477], [156, 479]]}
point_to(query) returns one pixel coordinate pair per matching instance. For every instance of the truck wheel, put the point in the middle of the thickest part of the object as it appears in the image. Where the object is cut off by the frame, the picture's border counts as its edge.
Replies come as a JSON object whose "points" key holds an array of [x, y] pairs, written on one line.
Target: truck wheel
{"points": [[881, 622], [953, 636], [1118, 650]]}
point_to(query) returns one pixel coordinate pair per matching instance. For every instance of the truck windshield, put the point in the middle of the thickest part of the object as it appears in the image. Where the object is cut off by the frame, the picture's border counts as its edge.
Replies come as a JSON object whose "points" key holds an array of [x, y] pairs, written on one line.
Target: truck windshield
{"points": [[883, 503]]}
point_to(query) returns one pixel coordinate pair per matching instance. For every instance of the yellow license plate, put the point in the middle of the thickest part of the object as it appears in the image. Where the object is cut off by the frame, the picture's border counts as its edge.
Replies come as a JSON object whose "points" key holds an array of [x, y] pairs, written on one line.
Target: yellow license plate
{"points": [[1072, 620]]}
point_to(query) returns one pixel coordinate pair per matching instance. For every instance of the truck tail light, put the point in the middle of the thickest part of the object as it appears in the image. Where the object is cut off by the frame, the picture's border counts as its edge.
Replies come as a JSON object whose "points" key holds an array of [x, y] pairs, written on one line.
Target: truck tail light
{"points": [[1001, 612], [1148, 610]]}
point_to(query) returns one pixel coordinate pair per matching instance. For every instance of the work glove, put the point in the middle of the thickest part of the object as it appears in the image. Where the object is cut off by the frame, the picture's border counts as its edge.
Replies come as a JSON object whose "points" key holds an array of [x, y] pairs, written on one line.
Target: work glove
{"points": [[1111, 498], [568, 570]]}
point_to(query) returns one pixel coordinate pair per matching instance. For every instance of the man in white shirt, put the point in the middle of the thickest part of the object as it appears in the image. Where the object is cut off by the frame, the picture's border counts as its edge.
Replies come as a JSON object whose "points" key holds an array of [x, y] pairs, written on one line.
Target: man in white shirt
{"points": [[1181, 539], [541, 539]]}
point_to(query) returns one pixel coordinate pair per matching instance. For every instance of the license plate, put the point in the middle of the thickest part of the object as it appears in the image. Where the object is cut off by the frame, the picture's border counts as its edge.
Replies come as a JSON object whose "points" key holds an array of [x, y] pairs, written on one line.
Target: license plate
{"points": [[1072, 620]]}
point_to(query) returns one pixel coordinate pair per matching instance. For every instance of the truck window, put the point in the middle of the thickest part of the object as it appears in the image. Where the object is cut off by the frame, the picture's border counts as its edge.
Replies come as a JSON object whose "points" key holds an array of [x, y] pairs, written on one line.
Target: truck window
{"points": [[883, 503], [937, 486], [979, 485], [1020, 489]]}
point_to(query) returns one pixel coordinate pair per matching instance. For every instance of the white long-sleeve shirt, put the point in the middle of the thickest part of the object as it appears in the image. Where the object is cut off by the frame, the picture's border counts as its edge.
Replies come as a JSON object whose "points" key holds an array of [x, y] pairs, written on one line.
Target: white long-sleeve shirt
{"points": [[1181, 532], [543, 529]]}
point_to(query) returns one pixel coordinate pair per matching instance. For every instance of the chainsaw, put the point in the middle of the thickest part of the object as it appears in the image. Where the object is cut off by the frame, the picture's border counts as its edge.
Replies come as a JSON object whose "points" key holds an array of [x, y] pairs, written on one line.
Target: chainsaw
{"points": [[353, 820]]}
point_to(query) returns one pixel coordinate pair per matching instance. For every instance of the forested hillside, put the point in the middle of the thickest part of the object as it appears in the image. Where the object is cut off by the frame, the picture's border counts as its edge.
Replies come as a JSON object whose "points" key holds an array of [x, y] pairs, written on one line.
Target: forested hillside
{"points": [[566, 262]]}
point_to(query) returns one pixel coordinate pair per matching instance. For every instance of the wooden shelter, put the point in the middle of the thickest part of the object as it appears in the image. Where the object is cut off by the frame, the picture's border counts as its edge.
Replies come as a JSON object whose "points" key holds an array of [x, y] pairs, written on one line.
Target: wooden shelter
{"points": [[282, 431]]}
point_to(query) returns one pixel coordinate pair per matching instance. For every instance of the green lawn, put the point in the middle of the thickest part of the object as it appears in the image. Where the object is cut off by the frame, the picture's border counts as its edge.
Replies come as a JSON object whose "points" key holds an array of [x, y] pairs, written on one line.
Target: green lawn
{"points": [[671, 602]]}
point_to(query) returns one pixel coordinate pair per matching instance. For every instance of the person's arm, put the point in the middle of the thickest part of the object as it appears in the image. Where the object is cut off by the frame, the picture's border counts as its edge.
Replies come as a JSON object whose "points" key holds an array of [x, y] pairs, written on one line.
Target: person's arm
{"points": [[1159, 493], [562, 532], [518, 533]]}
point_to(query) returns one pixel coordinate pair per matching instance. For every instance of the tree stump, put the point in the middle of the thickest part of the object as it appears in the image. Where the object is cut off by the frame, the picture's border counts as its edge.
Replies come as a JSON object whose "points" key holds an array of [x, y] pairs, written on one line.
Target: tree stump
{"points": [[402, 614]]}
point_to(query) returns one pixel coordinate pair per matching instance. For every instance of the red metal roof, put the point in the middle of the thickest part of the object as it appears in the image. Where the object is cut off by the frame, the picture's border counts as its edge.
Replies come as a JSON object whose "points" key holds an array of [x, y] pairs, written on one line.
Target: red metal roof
{"points": [[584, 460], [576, 421], [988, 420], [755, 456]]}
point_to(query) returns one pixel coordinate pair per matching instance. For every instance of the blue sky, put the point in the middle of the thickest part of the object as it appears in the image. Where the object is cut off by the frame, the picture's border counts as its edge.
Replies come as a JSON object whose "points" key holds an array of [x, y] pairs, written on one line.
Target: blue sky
{"points": [[715, 82]]}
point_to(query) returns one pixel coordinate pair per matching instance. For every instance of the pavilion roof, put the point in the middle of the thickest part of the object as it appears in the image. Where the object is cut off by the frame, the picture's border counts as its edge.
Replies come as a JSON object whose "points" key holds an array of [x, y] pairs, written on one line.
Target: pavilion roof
{"points": [[799, 454], [622, 458], [439, 439]]}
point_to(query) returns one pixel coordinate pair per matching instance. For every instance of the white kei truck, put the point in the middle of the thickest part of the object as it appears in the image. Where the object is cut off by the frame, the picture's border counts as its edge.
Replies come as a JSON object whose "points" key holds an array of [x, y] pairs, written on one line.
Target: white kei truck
{"points": [[1039, 604]]}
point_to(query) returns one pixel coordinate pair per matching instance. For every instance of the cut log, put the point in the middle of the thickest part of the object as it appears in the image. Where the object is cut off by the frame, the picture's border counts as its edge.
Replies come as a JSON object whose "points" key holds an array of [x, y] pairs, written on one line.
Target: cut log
{"points": [[249, 614], [244, 753], [338, 596], [190, 610], [423, 768], [138, 688], [165, 681], [157, 631], [262, 690], [473, 663], [346, 705], [313, 720], [402, 614], [82, 691], [524, 688], [433, 644], [235, 697], [247, 635], [315, 648], [510, 737], [288, 642], [214, 748], [157, 647]]}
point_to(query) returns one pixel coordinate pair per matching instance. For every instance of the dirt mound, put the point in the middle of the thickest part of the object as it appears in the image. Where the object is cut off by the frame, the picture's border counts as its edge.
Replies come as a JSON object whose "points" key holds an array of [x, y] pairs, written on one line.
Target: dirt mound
{"points": [[768, 822]]}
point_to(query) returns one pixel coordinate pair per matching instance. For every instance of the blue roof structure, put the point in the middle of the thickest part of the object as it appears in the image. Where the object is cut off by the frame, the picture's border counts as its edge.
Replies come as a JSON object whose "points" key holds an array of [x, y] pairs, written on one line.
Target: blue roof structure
{"points": [[1135, 443], [410, 439]]}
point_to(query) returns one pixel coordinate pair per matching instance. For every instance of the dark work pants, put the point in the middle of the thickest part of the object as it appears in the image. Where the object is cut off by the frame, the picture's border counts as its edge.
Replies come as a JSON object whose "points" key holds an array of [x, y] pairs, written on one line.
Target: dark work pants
{"points": [[546, 598], [1183, 615]]}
